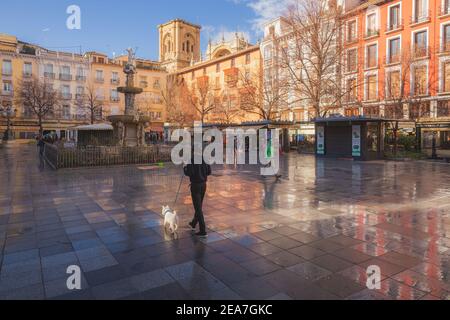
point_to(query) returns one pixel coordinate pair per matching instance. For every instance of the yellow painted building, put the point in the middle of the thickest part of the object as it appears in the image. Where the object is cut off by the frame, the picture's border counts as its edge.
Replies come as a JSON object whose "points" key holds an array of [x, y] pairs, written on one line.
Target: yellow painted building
{"points": [[74, 75]]}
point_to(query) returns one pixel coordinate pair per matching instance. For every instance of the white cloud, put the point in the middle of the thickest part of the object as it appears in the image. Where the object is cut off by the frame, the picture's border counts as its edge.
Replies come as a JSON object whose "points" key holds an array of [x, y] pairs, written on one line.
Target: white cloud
{"points": [[265, 10], [216, 34]]}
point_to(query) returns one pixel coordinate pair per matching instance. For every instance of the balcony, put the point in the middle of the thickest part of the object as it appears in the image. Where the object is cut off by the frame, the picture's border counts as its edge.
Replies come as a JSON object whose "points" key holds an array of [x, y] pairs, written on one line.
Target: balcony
{"points": [[27, 74], [115, 99], [65, 76], [7, 72], [371, 33], [81, 78], [66, 96], [423, 18], [115, 81], [79, 96], [7, 93], [49, 75], [143, 84], [421, 52], [100, 80], [392, 27]]}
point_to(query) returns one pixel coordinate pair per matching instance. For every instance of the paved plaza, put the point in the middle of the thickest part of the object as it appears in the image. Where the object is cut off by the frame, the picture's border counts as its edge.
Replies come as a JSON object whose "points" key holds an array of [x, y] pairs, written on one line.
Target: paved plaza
{"points": [[309, 235]]}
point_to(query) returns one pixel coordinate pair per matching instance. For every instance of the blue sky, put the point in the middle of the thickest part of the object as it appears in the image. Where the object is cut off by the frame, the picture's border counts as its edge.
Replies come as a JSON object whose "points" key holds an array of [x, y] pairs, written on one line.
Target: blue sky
{"points": [[112, 26]]}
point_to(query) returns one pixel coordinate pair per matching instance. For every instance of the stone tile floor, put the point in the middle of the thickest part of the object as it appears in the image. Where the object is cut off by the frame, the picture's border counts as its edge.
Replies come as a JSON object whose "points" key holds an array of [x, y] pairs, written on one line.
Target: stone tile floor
{"points": [[310, 235]]}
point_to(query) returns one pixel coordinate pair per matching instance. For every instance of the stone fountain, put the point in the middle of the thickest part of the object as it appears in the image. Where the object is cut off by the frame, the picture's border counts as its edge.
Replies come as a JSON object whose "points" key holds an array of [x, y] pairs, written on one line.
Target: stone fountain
{"points": [[129, 129]]}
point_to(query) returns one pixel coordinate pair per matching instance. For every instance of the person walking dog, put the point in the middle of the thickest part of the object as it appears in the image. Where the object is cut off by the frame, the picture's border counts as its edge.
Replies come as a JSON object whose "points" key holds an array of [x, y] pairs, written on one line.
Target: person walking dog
{"points": [[198, 174]]}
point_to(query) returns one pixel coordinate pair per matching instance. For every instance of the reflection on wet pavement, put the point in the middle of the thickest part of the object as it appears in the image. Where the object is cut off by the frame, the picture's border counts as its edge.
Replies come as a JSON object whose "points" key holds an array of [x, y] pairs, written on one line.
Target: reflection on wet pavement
{"points": [[311, 234]]}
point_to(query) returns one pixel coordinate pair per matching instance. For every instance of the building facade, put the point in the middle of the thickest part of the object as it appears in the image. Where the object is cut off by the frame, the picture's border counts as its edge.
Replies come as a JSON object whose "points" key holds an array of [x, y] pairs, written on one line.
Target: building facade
{"points": [[221, 74], [398, 62], [87, 85]]}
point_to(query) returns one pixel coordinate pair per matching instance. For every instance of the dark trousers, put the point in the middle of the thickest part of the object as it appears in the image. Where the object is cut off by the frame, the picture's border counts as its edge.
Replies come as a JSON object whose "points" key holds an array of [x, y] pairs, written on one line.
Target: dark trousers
{"points": [[198, 191]]}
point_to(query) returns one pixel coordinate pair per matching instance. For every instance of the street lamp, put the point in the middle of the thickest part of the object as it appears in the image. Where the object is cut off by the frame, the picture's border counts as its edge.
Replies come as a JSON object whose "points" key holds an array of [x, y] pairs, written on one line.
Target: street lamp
{"points": [[8, 113]]}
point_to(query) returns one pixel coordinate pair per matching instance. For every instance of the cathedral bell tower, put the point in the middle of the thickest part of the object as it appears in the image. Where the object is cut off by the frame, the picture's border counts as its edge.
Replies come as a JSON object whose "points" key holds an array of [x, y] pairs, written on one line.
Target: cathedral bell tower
{"points": [[179, 44]]}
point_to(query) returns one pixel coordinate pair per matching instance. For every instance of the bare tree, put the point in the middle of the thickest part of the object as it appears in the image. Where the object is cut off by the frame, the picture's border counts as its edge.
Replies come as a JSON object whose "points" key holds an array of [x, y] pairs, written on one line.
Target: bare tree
{"points": [[177, 103], [40, 97], [314, 56], [90, 102], [400, 91], [227, 108], [201, 97], [264, 95]]}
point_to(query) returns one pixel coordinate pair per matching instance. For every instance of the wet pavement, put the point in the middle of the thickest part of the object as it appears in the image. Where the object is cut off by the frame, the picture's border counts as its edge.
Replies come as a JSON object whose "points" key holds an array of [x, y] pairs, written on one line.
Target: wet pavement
{"points": [[310, 235]]}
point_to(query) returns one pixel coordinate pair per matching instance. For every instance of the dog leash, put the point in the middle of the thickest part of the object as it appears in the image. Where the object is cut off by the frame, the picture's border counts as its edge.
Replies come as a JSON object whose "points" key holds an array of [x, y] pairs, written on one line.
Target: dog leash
{"points": [[179, 188]]}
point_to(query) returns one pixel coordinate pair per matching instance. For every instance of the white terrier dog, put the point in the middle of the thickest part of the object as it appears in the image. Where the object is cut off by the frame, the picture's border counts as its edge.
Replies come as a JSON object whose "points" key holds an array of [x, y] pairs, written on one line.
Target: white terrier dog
{"points": [[170, 219]]}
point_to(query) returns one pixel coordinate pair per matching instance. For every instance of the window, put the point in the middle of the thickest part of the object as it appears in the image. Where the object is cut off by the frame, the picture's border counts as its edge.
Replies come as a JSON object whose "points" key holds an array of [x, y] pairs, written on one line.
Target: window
{"points": [[80, 92], [446, 76], [192, 75], [233, 63], [115, 76], [156, 84], [218, 67], [268, 53], [143, 82], [80, 74], [65, 91], [27, 69], [247, 58], [352, 90], [351, 31], [443, 109], [394, 17], [446, 8], [7, 67], [217, 84], [114, 95], [371, 61], [394, 50], [446, 38], [48, 68], [65, 70], [371, 87], [420, 10], [99, 75], [66, 111], [420, 80], [65, 73], [352, 60], [419, 110], [420, 44], [371, 29], [393, 85], [7, 87]]}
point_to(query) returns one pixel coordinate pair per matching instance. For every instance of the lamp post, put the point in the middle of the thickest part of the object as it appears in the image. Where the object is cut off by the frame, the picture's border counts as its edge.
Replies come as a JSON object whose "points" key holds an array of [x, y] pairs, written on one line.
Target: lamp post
{"points": [[8, 113]]}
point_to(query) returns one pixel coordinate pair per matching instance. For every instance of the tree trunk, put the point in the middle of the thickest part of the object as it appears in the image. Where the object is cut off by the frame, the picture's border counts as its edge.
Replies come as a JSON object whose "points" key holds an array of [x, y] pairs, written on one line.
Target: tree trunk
{"points": [[41, 129], [92, 116], [395, 139]]}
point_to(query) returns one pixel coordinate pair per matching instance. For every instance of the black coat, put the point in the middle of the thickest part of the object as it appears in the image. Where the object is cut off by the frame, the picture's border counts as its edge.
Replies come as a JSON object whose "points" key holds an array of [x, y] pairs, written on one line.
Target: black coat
{"points": [[198, 173]]}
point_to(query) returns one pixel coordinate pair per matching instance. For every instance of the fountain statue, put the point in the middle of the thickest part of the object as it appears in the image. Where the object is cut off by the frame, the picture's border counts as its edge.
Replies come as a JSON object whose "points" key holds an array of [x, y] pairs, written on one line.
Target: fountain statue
{"points": [[129, 129]]}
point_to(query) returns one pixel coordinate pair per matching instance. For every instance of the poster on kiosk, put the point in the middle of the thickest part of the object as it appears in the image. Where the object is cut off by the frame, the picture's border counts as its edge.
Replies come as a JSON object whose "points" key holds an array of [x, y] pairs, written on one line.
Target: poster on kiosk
{"points": [[356, 141]]}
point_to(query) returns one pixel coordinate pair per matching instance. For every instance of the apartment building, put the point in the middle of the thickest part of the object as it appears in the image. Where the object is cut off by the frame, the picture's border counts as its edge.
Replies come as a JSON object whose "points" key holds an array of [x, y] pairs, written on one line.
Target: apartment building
{"points": [[78, 78], [223, 68], [106, 75], [398, 62]]}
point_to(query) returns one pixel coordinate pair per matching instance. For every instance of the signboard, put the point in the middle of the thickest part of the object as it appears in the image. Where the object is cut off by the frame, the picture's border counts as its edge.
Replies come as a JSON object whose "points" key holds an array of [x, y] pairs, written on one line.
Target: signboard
{"points": [[320, 140], [356, 141]]}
